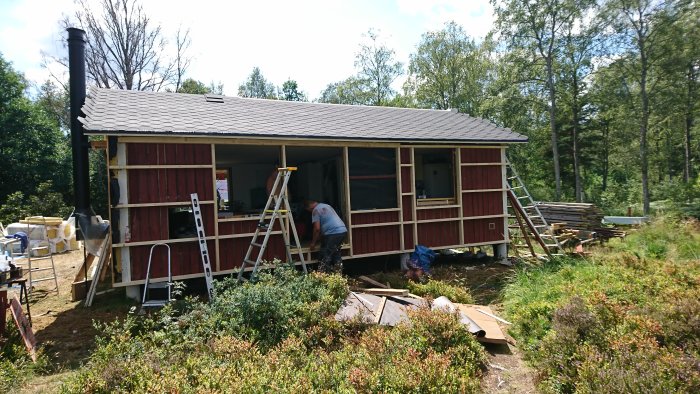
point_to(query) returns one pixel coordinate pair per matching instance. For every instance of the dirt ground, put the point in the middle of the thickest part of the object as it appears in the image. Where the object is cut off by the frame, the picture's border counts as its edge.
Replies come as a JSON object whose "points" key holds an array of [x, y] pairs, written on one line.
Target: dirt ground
{"points": [[67, 334], [64, 329]]}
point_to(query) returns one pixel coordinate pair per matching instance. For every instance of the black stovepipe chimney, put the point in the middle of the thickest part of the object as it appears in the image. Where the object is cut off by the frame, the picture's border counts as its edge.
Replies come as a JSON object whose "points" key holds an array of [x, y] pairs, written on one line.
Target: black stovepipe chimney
{"points": [[79, 142]]}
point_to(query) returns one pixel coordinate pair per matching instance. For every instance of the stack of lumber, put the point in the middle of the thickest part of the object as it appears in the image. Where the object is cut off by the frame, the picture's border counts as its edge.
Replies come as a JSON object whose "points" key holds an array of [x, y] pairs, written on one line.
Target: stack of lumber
{"points": [[609, 232], [577, 216]]}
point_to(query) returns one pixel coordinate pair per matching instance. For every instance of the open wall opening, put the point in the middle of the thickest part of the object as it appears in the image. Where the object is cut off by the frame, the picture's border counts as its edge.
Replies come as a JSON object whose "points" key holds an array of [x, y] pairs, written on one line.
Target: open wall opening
{"points": [[243, 170], [319, 177], [435, 176], [372, 178]]}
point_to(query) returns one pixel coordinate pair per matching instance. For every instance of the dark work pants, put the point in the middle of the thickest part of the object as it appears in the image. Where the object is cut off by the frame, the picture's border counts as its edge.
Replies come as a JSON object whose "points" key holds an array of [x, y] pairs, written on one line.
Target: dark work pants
{"points": [[330, 250]]}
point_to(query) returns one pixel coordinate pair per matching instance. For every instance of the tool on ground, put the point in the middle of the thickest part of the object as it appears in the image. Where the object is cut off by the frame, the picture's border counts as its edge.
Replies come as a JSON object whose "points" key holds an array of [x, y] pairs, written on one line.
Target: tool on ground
{"points": [[528, 216], [279, 202], [155, 303], [204, 251]]}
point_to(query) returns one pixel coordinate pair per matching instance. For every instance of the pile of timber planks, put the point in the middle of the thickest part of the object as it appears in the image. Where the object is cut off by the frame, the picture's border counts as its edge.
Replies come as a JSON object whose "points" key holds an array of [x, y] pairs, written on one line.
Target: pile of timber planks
{"points": [[577, 216]]}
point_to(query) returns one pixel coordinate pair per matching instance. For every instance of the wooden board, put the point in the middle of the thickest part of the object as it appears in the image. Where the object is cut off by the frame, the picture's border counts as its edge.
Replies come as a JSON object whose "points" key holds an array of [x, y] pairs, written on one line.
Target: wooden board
{"points": [[25, 329], [372, 282], [387, 292], [494, 334]]}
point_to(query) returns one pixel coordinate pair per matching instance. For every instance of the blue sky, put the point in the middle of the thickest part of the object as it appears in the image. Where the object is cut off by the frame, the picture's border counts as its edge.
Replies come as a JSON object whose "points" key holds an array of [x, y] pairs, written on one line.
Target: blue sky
{"points": [[311, 41]]}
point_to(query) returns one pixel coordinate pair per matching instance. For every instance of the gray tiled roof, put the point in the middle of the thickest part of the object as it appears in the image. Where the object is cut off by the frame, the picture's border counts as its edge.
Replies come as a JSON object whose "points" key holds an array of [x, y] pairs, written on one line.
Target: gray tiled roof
{"points": [[133, 112]]}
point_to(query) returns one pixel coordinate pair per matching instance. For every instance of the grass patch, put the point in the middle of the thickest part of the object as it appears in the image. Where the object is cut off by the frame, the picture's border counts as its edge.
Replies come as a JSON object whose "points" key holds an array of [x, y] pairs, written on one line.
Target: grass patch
{"points": [[279, 335], [16, 366], [624, 320]]}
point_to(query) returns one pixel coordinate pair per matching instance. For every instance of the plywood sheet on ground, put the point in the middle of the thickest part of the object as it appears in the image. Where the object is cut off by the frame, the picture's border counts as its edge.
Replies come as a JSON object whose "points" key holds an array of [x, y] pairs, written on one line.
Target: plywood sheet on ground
{"points": [[364, 306], [494, 334]]}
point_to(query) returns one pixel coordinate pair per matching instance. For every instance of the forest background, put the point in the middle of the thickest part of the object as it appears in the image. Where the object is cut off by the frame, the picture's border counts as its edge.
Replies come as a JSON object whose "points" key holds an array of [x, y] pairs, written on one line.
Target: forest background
{"points": [[607, 92]]}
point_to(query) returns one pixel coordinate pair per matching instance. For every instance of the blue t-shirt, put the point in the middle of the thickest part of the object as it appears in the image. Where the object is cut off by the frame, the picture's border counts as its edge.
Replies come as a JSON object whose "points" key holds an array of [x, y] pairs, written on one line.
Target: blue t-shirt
{"points": [[330, 221]]}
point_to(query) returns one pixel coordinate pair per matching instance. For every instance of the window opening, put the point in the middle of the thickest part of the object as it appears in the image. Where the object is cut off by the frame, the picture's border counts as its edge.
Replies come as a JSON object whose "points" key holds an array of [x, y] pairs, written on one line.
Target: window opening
{"points": [[372, 178], [248, 168], [319, 177], [222, 188], [435, 176], [181, 223]]}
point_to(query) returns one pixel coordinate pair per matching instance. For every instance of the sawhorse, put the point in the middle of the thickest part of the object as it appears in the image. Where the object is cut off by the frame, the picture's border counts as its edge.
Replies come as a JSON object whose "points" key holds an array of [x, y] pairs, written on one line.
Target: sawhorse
{"points": [[5, 304]]}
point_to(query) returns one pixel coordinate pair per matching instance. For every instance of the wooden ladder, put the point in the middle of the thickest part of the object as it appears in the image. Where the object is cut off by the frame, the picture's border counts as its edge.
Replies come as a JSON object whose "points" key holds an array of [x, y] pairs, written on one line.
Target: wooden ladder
{"points": [[525, 218]]}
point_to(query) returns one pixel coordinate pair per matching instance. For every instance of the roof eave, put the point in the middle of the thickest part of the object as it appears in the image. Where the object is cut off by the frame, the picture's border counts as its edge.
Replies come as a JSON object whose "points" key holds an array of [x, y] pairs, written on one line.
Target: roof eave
{"points": [[131, 133]]}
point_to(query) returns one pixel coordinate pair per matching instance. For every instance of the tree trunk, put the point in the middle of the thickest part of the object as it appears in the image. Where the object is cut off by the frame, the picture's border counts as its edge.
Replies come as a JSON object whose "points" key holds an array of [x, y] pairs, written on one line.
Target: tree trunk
{"points": [[574, 137], [553, 128], [643, 149], [606, 154], [689, 120]]}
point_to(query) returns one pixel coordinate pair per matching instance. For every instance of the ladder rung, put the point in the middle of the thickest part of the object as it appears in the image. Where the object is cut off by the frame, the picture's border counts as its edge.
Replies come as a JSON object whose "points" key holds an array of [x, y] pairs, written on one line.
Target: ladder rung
{"points": [[41, 258], [41, 269], [516, 187], [43, 279], [159, 285], [154, 303], [256, 244], [523, 197], [278, 211], [249, 262], [513, 177]]}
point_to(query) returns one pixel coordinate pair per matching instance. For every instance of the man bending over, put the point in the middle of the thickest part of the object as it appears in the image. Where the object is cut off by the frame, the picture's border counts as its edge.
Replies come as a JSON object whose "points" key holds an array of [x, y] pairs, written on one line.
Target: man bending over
{"points": [[330, 229]]}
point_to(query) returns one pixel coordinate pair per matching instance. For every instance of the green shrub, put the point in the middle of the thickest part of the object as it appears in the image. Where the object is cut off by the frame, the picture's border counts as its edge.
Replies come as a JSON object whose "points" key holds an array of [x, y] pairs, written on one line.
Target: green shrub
{"points": [[16, 366], [281, 339], [437, 288], [601, 324]]}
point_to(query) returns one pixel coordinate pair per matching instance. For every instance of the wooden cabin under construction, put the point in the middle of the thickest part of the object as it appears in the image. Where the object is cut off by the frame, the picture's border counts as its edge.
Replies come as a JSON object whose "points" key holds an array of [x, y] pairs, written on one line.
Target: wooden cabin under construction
{"points": [[398, 177]]}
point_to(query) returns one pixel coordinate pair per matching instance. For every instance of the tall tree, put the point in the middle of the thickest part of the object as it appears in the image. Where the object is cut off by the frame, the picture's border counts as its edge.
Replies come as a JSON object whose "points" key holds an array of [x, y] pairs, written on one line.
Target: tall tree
{"points": [[256, 86], [578, 46], [182, 61], [32, 146], [125, 50], [448, 70], [291, 92], [377, 68], [538, 26], [350, 91], [637, 24]]}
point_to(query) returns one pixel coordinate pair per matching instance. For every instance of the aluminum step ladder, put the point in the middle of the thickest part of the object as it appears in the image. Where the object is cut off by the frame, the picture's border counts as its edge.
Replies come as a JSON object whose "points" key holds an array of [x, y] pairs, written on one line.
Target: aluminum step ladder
{"points": [[203, 249], [147, 302], [527, 216], [278, 207]]}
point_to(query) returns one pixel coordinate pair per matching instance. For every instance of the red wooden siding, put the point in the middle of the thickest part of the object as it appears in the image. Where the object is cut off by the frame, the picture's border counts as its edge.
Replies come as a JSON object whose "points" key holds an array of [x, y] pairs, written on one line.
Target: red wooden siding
{"points": [[482, 204], [478, 155], [233, 251], [375, 239], [169, 185], [482, 177], [151, 223], [242, 227], [407, 203], [185, 259], [478, 230], [406, 176], [161, 154], [437, 234], [408, 236], [437, 213], [370, 217], [405, 156]]}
